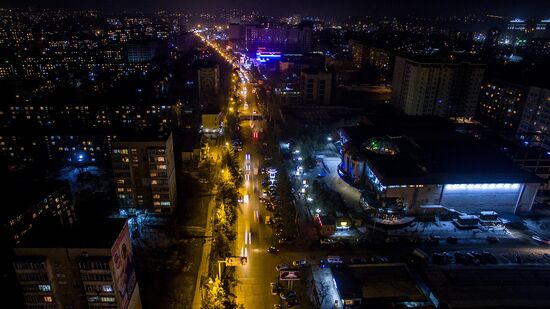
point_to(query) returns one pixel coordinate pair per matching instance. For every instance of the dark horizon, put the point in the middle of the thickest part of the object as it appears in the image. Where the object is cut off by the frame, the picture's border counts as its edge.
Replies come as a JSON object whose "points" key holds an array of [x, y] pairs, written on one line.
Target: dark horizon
{"points": [[424, 8]]}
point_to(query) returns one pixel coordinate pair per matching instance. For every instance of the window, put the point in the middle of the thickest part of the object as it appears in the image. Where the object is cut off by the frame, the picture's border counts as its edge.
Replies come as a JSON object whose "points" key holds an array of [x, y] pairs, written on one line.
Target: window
{"points": [[48, 299], [107, 299], [161, 166], [44, 288], [107, 288], [160, 159]]}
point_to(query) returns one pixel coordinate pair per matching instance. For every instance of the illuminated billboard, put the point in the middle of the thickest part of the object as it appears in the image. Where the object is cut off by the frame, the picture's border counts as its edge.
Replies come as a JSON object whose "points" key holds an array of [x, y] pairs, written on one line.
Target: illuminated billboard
{"points": [[124, 272], [262, 55]]}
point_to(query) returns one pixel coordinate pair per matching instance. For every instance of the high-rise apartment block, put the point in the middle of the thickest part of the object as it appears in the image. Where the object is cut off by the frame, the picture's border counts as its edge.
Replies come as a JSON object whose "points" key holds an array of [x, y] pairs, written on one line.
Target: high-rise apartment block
{"points": [[90, 265], [315, 87], [144, 172], [433, 87], [209, 81]]}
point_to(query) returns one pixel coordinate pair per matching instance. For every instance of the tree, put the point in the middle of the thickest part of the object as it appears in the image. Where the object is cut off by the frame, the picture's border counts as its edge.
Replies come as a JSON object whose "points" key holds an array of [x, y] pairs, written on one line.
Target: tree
{"points": [[215, 295], [323, 289]]}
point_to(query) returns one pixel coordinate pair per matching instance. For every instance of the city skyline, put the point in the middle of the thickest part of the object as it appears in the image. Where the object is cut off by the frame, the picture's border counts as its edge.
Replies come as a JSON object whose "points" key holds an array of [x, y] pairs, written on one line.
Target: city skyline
{"points": [[324, 8]]}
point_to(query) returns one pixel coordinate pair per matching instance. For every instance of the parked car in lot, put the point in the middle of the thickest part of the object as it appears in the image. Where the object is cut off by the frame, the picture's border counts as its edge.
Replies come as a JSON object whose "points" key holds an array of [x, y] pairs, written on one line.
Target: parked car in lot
{"points": [[379, 259], [452, 240], [440, 258], [433, 240], [358, 260], [488, 257], [299, 263], [326, 241], [275, 288], [288, 295], [334, 260], [460, 257], [492, 239], [282, 266]]}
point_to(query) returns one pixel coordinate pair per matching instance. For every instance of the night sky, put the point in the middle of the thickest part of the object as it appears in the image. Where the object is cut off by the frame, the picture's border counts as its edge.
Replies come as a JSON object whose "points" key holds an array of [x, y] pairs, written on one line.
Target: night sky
{"points": [[526, 8]]}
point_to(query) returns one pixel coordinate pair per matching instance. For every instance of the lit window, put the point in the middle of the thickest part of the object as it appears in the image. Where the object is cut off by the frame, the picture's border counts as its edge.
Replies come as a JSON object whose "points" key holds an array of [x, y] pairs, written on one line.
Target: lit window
{"points": [[107, 299], [161, 167], [48, 299], [160, 159], [44, 288], [107, 288]]}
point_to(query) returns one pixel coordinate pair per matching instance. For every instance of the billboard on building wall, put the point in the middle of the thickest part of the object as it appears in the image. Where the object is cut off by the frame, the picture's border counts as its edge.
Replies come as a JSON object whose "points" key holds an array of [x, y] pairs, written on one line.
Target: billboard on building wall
{"points": [[124, 271]]}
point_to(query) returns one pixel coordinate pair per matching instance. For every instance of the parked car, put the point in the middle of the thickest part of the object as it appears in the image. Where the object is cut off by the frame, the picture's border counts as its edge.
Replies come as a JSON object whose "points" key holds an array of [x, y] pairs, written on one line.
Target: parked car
{"points": [[274, 288], [334, 260], [282, 266], [203, 181], [326, 241], [358, 260], [460, 257], [433, 240], [288, 295], [379, 259], [492, 239], [452, 240], [488, 257], [299, 263]]}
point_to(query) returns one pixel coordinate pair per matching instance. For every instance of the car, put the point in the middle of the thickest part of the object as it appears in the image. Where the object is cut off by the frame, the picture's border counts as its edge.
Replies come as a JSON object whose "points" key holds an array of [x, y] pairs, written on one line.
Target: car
{"points": [[440, 258], [452, 240], [273, 250], [326, 241], [472, 259], [203, 181], [488, 257], [358, 260], [379, 259], [492, 239], [433, 240], [274, 288], [268, 158], [288, 295], [334, 260], [282, 266], [460, 257], [321, 175], [299, 263]]}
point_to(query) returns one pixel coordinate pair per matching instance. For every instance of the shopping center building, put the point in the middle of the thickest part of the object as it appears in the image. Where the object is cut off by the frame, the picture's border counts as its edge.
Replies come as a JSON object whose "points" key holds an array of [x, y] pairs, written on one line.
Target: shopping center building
{"points": [[407, 162]]}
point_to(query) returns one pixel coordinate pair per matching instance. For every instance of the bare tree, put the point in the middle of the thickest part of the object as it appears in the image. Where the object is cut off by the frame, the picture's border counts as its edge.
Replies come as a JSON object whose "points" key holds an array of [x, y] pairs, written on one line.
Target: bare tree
{"points": [[323, 290]]}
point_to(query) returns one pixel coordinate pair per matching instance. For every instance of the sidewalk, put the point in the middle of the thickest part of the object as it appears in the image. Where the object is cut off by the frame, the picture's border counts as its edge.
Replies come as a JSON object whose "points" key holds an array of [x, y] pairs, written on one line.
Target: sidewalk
{"points": [[203, 268]]}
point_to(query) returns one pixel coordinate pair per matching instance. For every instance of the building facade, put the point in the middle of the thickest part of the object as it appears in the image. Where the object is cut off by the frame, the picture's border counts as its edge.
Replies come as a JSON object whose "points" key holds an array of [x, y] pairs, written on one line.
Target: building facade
{"points": [[209, 81], [79, 270], [501, 105], [316, 87], [535, 120], [406, 166], [445, 89], [144, 172]]}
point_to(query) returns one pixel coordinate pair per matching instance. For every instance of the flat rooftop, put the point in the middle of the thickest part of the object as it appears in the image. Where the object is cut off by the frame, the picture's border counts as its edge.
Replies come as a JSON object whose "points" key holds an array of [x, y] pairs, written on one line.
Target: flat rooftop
{"points": [[431, 151], [97, 234], [499, 286], [378, 283]]}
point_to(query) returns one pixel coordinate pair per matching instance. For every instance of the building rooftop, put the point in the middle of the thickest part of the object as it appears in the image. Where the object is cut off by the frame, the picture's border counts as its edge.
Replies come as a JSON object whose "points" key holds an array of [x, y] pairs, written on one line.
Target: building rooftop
{"points": [[83, 234], [22, 191], [430, 151], [377, 284], [491, 286]]}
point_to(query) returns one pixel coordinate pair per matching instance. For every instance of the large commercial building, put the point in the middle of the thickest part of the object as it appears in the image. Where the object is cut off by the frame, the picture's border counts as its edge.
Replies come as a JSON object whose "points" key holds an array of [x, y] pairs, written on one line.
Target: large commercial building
{"points": [[315, 87], [144, 172], [90, 265], [407, 162], [436, 87]]}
